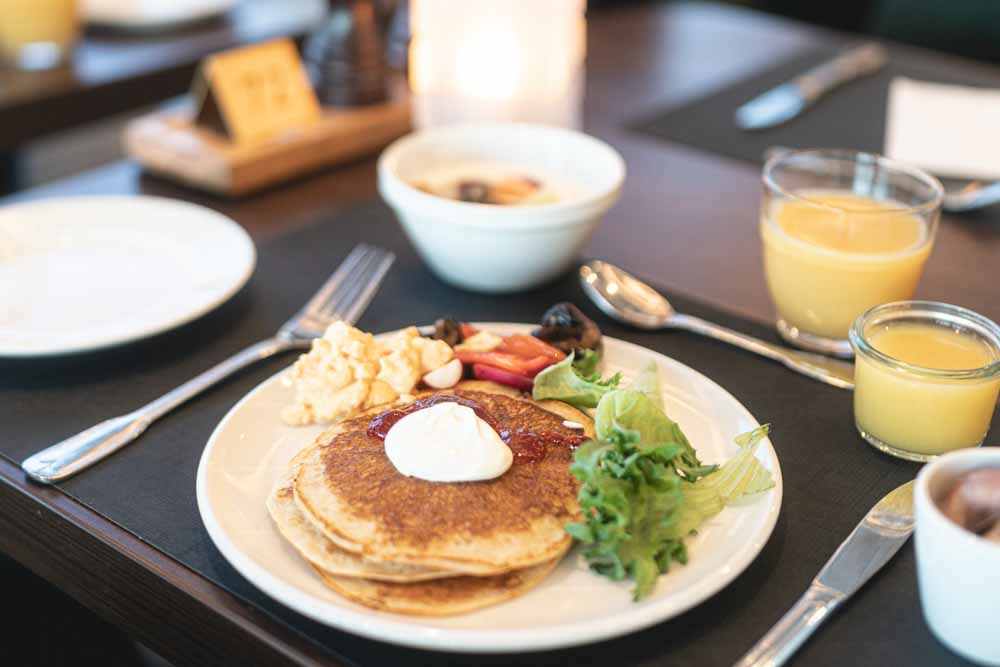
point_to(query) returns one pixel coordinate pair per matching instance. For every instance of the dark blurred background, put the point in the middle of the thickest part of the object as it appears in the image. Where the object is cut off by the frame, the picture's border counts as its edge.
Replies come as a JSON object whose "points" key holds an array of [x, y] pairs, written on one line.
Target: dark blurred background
{"points": [[969, 28], [965, 27]]}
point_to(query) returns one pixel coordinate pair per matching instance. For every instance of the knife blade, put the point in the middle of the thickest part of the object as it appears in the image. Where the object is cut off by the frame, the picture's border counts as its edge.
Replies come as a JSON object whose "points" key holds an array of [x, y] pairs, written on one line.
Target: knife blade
{"points": [[871, 544], [788, 100]]}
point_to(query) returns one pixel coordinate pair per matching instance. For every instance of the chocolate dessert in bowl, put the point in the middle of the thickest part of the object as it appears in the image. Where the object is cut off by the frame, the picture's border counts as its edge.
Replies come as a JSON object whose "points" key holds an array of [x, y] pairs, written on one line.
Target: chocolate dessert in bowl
{"points": [[957, 505]]}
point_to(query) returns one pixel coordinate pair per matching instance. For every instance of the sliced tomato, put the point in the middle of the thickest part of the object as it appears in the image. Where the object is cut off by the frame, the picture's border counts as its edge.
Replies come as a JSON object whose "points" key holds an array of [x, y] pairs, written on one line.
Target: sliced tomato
{"points": [[524, 345], [467, 330], [512, 363], [500, 376]]}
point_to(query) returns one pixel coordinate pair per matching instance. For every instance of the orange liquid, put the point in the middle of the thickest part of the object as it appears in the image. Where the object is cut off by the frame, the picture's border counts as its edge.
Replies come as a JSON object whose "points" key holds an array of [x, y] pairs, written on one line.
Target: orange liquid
{"points": [[924, 414], [833, 255]]}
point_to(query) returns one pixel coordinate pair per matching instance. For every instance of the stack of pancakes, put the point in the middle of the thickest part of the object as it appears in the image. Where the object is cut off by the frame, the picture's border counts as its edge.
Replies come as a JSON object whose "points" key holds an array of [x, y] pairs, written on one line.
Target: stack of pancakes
{"points": [[411, 546]]}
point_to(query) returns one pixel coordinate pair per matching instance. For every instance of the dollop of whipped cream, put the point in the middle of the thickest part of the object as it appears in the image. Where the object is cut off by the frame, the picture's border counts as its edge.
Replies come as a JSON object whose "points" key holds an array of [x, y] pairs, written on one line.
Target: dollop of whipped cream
{"points": [[447, 442]]}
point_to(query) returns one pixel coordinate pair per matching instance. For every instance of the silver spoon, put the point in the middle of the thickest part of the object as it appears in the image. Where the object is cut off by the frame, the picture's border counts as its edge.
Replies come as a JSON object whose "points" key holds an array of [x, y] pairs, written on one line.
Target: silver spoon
{"points": [[972, 197], [629, 300]]}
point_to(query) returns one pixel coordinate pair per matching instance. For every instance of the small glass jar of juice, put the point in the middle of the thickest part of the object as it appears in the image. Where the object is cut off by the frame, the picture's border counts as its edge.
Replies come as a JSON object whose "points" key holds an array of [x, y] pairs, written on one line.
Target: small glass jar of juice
{"points": [[926, 377], [842, 231]]}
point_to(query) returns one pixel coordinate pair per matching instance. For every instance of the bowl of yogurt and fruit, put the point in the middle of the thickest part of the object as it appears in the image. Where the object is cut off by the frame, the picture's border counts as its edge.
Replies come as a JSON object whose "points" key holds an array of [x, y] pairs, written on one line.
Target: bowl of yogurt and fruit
{"points": [[499, 207]]}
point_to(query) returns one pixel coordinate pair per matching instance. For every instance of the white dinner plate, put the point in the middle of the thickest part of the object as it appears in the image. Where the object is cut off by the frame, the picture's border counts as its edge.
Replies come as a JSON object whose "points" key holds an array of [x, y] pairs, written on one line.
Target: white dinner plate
{"points": [[143, 15], [251, 445], [87, 272]]}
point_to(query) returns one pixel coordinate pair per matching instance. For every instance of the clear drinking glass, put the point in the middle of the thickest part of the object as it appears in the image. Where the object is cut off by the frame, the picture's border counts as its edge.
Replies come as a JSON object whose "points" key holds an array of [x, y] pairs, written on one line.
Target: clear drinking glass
{"points": [[38, 34], [843, 231], [918, 412]]}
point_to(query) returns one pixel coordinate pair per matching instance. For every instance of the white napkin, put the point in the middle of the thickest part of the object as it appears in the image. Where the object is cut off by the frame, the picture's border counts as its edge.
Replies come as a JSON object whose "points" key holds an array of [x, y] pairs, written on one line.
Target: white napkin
{"points": [[951, 131]]}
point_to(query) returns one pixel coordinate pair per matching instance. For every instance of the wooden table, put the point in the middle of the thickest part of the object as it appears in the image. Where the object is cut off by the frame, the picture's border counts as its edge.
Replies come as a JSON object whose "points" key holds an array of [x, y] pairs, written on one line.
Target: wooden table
{"points": [[687, 220], [112, 72]]}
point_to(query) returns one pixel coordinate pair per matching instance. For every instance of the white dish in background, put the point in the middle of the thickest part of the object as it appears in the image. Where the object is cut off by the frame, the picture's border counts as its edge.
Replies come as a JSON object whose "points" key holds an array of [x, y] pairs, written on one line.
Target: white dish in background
{"points": [[488, 248], [251, 446], [82, 273], [958, 571], [151, 14]]}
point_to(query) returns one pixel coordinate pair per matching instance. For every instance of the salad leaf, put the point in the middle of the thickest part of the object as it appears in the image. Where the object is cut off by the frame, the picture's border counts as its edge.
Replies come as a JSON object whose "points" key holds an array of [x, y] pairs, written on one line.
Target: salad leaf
{"points": [[627, 409], [743, 474], [644, 491], [631, 497], [577, 383], [648, 383], [586, 363]]}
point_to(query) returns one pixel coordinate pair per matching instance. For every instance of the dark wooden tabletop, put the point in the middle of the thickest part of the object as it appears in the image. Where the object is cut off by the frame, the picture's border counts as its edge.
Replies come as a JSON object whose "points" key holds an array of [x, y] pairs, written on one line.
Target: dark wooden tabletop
{"points": [[687, 220], [114, 71]]}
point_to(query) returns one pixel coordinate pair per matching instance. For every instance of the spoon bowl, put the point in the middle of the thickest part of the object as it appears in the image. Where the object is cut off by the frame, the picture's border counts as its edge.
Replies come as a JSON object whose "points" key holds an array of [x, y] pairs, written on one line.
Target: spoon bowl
{"points": [[625, 298]]}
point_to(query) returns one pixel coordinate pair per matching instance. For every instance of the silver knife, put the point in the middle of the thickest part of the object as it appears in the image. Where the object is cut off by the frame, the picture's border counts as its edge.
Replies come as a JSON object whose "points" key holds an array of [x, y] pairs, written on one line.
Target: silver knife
{"points": [[787, 100], [874, 541]]}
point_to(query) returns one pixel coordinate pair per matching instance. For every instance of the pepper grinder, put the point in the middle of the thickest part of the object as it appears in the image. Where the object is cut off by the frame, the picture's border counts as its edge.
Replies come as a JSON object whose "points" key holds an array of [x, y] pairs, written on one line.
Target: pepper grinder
{"points": [[345, 56], [397, 48]]}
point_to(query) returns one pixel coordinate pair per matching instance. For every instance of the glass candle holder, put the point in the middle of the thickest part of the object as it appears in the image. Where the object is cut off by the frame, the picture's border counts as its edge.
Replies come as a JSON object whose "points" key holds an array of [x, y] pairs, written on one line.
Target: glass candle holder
{"points": [[517, 60], [843, 231], [926, 377]]}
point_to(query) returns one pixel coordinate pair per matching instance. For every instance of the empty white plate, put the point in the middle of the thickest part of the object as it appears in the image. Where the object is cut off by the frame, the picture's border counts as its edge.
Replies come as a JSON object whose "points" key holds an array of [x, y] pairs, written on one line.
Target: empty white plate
{"points": [[87, 272], [252, 445], [151, 14]]}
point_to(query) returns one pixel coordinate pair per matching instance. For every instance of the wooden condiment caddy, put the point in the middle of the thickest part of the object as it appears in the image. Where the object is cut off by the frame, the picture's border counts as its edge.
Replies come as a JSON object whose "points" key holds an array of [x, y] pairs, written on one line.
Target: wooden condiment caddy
{"points": [[256, 123]]}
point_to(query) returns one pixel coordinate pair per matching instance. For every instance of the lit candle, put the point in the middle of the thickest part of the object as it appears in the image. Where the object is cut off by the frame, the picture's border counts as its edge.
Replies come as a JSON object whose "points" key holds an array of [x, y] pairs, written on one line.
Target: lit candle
{"points": [[517, 60]]}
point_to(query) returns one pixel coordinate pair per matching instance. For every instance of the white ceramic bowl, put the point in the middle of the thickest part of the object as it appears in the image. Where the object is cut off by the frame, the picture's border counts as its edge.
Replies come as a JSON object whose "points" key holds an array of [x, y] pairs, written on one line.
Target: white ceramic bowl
{"points": [[958, 571], [489, 248]]}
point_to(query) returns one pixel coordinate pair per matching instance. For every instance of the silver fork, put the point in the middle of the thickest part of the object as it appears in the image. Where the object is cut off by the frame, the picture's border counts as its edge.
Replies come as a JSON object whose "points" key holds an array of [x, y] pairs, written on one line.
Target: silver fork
{"points": [[344, 296]]}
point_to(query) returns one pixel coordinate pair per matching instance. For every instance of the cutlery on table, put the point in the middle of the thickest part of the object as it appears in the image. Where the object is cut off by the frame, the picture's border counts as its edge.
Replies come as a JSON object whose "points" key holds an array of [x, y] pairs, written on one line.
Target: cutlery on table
{"points": [[627, 299], [870, 546], [971, 197], [788, 100], [344, 296]]}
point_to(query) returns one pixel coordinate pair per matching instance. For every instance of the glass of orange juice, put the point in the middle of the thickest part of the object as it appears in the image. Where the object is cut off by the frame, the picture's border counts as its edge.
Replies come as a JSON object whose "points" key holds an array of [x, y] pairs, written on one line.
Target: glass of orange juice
{"points": [[38, 34], [843, 231], [926, 377]]}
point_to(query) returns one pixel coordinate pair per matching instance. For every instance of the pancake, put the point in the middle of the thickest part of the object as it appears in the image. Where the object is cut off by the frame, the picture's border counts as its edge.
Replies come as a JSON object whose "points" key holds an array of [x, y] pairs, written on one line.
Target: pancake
{"points": [[354, 495], [321, 552], [441, 597]]}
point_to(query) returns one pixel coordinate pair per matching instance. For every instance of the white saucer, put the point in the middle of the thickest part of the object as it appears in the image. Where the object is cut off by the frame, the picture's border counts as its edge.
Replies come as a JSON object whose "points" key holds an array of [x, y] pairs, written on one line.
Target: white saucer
{"points": [[145, 16], [88, 272]]}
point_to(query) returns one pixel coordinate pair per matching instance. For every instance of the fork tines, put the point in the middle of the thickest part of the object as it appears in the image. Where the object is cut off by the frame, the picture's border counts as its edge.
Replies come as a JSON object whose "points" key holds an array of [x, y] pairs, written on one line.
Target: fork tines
{"points": [[346, 293]]}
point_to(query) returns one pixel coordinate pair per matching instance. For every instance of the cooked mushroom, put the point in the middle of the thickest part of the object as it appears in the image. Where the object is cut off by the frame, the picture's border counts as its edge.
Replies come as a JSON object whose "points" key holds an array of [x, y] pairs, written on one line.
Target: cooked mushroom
{"points": [[477, 192], [566, 327], [448, 331]]}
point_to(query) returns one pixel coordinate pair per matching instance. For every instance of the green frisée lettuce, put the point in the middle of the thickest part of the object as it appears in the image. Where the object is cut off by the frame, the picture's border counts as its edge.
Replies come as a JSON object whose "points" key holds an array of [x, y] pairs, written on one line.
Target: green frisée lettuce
{"points": [[574, 381], [631, 499], [627, 409], [644, 490]]}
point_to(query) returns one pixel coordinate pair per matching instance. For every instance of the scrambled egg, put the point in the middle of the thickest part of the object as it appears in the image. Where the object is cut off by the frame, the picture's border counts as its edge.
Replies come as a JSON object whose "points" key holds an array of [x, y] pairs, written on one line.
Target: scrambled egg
{"points": [[481, 341], [348, 370]]}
